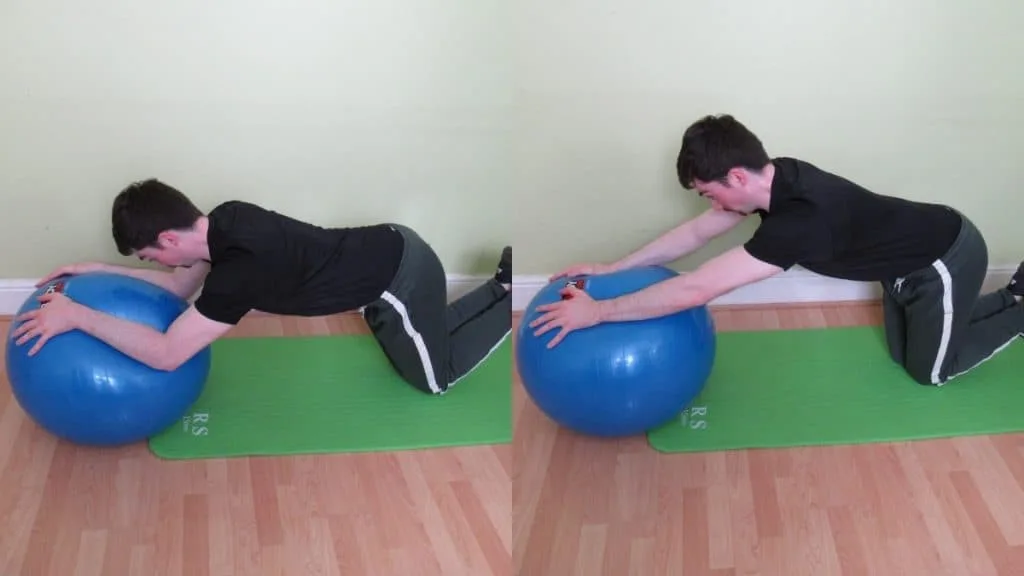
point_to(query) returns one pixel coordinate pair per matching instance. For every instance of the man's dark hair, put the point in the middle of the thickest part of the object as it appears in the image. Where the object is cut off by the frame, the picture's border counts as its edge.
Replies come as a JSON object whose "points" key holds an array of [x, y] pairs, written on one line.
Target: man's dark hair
{"points": [[714, 145], [145, 209]]}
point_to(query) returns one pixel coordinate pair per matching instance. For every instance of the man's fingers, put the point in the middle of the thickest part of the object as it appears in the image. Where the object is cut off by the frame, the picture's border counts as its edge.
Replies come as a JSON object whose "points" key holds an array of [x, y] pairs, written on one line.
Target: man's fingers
{"points": [[20, 330], [546, 317], [39, 344], [573, 271], [23, 328], [551, 325], [558, 337], [548, 307], [570, 291], [51, 276], [27, 316], [27, 335], [565, 273]]}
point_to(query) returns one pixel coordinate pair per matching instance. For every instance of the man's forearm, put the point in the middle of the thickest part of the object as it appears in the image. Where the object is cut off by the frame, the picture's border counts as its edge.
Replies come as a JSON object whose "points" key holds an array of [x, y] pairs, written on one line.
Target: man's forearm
{"points": [[674, 244], [161, 278], [661, 299], [139, 341]]}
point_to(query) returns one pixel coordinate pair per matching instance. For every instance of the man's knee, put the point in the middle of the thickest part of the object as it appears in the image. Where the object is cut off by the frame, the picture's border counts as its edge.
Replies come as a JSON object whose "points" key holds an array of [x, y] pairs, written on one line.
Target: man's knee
{"points": [[415, 374], [897, 354], [923, 375]]}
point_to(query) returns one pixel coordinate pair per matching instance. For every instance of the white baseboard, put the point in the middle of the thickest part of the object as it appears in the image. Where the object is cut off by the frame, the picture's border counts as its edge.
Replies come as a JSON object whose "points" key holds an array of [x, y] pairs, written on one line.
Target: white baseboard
{"points": [[13, 293], [791, 287], [794, 286]]}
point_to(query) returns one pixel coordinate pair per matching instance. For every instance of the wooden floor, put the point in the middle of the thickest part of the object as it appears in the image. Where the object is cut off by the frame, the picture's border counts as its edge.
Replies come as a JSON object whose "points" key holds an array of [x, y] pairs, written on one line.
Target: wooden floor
{"points": [[587, 507], [69, 511], [571, 506]]}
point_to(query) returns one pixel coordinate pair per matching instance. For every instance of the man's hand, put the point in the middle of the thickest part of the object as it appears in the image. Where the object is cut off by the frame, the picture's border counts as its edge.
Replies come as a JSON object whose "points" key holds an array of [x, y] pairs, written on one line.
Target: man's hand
{"points": [[581, 270], [55, 316], [73, 270], [575, 311], [186, 336]]}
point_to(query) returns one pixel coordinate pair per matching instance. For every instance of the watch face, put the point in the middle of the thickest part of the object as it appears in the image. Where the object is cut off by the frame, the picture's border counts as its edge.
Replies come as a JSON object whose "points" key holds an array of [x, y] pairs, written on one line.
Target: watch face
{"points": [[54, 288], [577, 284]]}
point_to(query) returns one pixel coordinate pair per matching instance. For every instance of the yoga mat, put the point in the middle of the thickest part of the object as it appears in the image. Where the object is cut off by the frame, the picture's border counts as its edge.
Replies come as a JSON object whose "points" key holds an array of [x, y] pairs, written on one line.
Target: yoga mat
{"points": [[273, 396], [837, 386]]}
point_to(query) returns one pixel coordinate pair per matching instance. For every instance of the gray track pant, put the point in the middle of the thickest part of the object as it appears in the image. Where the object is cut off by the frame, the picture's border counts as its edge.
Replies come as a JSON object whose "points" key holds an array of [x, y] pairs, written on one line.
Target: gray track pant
{"points": [[431, 343], [937, 325]]}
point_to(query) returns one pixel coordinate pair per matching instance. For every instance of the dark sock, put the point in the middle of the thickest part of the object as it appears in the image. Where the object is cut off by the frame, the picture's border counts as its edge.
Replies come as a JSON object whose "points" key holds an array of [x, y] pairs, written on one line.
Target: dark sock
{"points": [[504, 273], [1016, 285]]}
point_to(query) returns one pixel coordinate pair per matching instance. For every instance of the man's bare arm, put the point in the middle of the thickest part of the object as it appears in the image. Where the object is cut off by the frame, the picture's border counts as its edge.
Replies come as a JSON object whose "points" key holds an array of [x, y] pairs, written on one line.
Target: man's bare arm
{"points": [[681, 240], [189, 333], [720, 275], [184, 282]]}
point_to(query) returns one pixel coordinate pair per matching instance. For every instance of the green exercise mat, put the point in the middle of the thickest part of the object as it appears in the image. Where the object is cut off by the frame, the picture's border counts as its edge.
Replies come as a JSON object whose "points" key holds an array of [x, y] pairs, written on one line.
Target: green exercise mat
{"points": [[319, 394], [837, 386]]}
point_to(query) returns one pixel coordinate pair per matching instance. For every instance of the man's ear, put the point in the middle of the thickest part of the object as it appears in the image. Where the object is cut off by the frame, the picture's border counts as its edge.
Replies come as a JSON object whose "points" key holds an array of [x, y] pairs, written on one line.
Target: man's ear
{"points": [[168, 238], [737, 178]]}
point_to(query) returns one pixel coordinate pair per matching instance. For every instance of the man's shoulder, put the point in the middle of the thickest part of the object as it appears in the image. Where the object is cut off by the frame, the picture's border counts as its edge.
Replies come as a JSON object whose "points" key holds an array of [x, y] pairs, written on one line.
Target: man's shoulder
{"points": [[238, 231], [811, 177], [239, 219], [795, 186], [798, 172], [807, 189], [237, 207]]}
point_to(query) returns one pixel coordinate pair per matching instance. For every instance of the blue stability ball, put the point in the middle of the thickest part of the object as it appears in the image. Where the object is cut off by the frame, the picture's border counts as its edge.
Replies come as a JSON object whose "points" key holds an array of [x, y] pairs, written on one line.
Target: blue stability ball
{"points": [[85, 391], [616, 378]]}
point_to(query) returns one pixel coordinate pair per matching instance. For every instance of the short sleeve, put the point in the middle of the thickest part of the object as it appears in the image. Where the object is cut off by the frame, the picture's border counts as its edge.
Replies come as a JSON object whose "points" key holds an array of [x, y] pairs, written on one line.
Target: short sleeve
{"points": [[224, 297], [788, 239]]}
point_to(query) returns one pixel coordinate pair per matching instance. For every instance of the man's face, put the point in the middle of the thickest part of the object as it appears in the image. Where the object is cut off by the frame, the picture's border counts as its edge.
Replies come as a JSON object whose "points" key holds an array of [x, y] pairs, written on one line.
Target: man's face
{"points": [[158, 255], [721, 197], [169, 251], [732, 196]]}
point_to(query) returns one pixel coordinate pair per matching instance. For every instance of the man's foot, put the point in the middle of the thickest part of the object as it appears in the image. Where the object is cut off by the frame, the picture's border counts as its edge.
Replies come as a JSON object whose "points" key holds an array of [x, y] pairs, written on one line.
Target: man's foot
{"points": [[1016, 285], [504, 273]]}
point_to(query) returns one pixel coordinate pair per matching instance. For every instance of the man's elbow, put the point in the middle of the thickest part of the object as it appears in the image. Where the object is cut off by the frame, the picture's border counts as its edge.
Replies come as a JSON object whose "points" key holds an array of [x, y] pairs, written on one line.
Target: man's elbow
{"points": [[701, 298], [182, 289], [169, 361], [166, 364], [691, 297]]}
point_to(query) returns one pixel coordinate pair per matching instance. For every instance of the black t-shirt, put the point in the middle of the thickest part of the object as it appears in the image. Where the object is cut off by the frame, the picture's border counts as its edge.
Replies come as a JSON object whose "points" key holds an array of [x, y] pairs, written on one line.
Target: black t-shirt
{"points": [[262, 260], [836, 228]]}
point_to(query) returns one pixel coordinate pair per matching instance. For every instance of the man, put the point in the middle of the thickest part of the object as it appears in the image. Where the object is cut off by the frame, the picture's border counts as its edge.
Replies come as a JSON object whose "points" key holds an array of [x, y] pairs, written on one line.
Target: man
{"points": [[245, 257], [929, 259]]}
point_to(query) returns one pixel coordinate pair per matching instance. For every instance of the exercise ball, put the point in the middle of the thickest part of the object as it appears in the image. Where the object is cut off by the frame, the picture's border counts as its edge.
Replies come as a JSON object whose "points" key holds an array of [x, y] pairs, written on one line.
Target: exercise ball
{"points": [[85, 391], [616, 378]]}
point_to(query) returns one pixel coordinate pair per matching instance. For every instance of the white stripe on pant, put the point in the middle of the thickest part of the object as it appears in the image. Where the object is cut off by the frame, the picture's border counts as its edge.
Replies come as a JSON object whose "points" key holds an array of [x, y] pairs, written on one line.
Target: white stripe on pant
{"points": [[947, 329], [417, 338], [947, 320]]}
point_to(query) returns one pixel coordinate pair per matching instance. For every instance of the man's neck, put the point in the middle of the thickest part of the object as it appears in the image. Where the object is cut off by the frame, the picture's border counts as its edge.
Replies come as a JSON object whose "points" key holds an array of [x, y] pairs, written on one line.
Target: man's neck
{"points": [[202, 230], [763, 195]]}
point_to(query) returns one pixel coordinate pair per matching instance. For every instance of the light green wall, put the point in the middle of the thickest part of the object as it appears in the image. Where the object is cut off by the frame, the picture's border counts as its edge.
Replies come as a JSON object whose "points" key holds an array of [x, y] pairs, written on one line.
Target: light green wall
{"points": [[553, 125], [914, 98], [338, 112]]}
